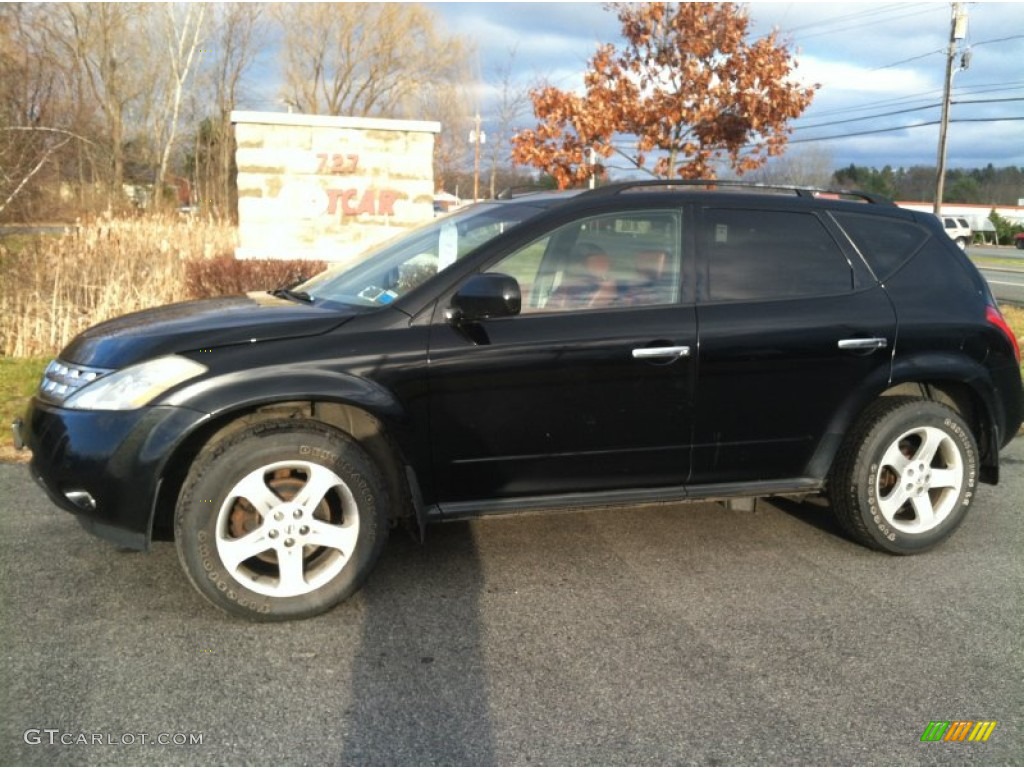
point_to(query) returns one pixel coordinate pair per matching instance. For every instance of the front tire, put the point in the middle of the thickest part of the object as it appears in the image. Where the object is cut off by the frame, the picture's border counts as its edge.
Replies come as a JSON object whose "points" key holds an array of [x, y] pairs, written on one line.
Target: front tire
{"points": [[905, 476], [282, 520]]}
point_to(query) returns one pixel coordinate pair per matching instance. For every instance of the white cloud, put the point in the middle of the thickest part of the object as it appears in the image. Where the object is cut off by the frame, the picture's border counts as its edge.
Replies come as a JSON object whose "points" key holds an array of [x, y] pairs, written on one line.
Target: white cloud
{"points": [[852, 77]]}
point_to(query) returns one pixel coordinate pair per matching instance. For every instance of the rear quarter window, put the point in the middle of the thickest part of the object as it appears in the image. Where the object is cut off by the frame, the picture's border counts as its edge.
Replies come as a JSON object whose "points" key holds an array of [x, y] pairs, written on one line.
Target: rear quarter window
{"points": [[886, 244]]}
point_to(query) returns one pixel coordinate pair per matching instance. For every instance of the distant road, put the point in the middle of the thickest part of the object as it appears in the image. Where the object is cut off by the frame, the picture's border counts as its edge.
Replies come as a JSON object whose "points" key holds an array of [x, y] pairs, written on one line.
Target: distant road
{"points": [[995, 252], [1006, 282]]}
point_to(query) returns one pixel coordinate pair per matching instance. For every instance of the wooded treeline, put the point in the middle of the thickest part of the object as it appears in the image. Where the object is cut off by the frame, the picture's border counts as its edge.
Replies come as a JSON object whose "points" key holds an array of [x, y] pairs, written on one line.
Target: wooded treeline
{"points": [[982, 186]]}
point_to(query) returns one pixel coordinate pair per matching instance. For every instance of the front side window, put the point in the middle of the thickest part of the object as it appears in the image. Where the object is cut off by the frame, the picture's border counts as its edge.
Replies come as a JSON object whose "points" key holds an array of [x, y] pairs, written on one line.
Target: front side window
{"points": [[755, 255], [625, 259], [406, 262]]}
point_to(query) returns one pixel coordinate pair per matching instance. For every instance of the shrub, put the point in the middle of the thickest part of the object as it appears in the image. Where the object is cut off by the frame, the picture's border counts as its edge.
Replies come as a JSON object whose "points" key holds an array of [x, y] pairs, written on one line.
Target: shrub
{"points": [[226, 275], [1005, 229]]}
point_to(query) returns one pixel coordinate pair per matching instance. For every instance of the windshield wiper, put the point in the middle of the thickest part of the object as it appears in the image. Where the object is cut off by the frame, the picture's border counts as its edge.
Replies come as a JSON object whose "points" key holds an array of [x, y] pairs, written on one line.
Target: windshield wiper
{"points": [[288, 293]]}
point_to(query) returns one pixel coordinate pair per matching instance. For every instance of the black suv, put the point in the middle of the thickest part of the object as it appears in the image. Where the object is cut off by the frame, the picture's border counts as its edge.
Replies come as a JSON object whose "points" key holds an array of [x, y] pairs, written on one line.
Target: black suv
{"points": [[641, 342]]}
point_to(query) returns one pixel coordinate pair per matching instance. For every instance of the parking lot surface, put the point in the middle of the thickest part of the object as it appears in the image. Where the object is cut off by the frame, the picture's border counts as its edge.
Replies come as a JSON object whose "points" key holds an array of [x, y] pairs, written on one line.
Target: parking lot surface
{"points": [[682, 634]]}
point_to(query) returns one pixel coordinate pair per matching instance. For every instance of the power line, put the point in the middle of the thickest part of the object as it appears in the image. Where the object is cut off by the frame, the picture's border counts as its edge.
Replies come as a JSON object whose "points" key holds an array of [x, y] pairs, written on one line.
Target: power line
{"points": [[961, 91], [905, 128], [836, 22], [942, 50], [906, 61], [866, 117], [903, 112], [930, 7], [997, 40]]}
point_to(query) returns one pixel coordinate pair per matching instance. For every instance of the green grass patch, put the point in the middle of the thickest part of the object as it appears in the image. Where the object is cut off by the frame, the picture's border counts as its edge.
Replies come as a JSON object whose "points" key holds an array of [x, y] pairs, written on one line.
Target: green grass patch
{"points": [[995, 261], [19, 378], [19, 243]]}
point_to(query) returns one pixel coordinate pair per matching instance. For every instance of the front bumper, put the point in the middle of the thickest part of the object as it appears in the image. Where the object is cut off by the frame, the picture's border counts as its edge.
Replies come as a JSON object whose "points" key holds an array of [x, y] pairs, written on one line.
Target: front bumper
{"points": [[105, 466]]}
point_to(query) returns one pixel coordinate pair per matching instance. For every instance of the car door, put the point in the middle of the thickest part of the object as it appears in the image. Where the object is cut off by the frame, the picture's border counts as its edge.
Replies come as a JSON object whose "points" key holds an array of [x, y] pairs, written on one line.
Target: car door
{"points": [[590, 388], [790, 328]]}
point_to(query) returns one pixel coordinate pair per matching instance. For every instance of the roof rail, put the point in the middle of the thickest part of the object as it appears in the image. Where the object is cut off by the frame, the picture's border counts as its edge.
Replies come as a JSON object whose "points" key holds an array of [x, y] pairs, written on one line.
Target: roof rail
{"points": [[837, 194], [523, 189]]}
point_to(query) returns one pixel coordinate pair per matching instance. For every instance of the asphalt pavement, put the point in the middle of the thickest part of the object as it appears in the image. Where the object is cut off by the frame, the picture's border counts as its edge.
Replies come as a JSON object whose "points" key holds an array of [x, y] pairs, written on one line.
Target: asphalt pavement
{"points": [[682, 634]]}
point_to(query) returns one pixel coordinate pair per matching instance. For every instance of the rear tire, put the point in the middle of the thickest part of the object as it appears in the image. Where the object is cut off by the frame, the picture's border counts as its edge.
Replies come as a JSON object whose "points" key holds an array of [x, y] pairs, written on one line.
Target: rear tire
{"points": [[906, 475], [282, 520]]}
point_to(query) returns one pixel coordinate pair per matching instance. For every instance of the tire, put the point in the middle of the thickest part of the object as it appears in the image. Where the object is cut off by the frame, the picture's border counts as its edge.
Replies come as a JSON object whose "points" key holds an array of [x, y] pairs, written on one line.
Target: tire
{"points": [[282, 520], [905, 476], [962, 242], [1020, 244]]}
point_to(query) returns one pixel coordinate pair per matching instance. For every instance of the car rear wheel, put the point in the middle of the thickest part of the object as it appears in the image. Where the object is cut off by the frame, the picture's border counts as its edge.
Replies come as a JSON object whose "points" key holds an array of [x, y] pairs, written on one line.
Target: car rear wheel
{"points": [[962, 242], [282, 520], [906, 475]]}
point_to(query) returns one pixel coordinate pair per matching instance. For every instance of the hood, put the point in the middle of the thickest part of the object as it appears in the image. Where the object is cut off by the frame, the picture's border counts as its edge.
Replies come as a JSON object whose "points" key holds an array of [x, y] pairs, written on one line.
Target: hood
{"points": [[201, 324]]}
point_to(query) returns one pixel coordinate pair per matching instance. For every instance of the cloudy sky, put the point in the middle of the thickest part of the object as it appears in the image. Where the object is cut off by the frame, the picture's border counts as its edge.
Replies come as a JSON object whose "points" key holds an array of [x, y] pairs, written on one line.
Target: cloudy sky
{"points": [[880, 66]]}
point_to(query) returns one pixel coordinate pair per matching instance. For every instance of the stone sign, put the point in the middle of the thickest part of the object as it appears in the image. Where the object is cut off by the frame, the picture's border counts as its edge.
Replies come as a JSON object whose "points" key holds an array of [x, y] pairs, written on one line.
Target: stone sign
{"points": [[319, 187]]}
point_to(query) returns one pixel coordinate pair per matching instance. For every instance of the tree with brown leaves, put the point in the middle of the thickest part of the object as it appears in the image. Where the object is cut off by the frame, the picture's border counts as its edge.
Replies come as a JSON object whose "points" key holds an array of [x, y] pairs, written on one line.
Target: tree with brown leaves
{"points": [[688, 87]]}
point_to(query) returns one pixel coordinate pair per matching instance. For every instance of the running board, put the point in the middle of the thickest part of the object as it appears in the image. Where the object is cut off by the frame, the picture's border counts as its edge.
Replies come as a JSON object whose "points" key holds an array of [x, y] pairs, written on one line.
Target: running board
{"points": [[574, 502]]}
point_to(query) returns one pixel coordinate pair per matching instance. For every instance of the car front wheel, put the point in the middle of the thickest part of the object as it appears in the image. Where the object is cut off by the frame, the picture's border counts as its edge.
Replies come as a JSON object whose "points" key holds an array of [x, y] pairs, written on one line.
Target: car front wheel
{"points": [[906, 475], [282, 520]]}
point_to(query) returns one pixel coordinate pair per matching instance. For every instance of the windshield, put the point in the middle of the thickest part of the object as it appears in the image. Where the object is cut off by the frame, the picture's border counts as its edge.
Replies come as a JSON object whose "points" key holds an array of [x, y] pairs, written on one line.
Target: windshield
{"points": [[396, 267]]}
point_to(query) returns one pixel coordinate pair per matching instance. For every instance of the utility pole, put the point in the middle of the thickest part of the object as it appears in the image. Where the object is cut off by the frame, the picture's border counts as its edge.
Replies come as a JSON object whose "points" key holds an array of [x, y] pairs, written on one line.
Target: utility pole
{"points": [[957, 32]]}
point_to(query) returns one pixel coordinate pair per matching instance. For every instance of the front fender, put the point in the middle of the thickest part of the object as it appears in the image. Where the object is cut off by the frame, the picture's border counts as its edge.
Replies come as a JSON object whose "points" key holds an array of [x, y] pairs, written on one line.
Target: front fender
{"points": [[222, 399], [248, 389]]}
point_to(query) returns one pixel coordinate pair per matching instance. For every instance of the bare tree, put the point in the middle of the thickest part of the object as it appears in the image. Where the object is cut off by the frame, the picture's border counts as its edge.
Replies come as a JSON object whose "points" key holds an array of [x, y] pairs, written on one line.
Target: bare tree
{"points": [[807, 165], [510, 107], [108, 45], [37, 112], [182, 32], [362, 59], [238, 31], [447, 103]]}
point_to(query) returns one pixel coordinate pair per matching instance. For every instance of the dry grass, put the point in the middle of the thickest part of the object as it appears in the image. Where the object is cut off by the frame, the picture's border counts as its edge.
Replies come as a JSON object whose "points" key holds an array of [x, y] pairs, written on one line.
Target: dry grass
{"points": [[51, 288], [1015, 319]]}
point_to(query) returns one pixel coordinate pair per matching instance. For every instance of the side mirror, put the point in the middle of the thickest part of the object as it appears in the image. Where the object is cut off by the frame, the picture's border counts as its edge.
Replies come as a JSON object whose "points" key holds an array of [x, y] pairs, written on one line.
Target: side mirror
{"points": [[485, 295]]}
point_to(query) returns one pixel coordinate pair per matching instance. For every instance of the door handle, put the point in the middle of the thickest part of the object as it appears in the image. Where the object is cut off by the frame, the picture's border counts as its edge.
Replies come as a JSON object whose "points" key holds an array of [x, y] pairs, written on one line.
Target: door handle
{"points": [[660, 353], [864, 344]]}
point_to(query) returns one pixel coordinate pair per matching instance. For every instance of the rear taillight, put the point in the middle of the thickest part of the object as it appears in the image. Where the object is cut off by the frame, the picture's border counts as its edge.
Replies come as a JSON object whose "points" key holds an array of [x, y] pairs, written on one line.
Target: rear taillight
{"points": [[994, 316]]}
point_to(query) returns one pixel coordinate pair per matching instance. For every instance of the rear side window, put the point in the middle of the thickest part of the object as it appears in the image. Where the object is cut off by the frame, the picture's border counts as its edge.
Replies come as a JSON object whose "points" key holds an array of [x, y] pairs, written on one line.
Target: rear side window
{"points": [[887, 244], [762, 255]]}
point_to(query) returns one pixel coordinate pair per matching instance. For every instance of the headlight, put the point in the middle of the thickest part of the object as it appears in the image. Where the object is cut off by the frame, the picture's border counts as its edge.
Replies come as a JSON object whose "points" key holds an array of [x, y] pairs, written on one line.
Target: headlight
{"points": [[134, 386]]}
